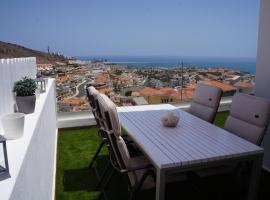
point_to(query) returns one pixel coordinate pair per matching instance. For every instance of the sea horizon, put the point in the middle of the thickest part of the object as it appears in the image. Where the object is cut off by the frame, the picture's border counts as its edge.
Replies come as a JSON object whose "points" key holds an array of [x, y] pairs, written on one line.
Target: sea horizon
{"points": [[241, 64]]}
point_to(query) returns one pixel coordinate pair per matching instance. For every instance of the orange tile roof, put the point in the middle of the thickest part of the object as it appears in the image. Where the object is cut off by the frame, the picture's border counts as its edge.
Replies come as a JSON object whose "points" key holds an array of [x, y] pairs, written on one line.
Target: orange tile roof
{"points": [[147, 91], [191, 86], [101, 79], [44, 65], [135, 94], [62, 79], [167, 89], [243, 84], [223, 86], [72, 101], [126, 78], [187, 93]]}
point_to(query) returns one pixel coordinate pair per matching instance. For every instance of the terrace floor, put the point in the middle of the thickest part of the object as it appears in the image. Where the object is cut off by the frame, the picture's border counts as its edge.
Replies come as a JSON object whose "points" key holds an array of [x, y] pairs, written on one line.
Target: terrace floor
{"points": [[76, 181]]}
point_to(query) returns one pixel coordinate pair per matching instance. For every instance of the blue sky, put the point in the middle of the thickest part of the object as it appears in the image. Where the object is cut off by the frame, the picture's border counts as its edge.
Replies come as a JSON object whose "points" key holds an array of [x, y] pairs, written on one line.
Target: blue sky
{"points": [[214, 28]]}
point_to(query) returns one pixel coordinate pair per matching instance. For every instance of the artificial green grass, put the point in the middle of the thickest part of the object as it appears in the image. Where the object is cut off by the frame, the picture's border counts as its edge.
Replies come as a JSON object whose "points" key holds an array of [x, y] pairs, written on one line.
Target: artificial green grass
{"points": [[221, 118], [74, 180]]}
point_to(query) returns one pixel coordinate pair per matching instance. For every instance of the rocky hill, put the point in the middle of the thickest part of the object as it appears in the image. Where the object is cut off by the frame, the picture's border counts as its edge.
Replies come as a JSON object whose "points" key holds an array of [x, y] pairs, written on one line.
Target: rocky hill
{"points": [[8, 50]]}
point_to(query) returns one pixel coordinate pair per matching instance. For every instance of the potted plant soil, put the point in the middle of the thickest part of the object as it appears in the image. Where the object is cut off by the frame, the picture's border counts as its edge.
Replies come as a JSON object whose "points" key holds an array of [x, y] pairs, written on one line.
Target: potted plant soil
{"points": [[25, 95]]}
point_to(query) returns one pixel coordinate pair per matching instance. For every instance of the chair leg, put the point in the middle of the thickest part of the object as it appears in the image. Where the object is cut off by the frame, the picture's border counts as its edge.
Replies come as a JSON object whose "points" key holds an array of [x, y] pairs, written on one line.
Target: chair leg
{"points": [[96, 154], [102, 195], [131, 196], [109, 179], [103, 190], [103, 175]]}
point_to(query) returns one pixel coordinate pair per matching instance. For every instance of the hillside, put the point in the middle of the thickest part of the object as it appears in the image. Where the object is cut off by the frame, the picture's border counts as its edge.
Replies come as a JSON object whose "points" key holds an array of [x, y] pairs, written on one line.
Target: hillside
{"points": [[8, 50]]}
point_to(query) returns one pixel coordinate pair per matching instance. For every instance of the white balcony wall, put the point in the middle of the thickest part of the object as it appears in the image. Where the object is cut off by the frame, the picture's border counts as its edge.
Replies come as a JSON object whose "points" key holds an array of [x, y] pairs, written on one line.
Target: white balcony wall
{"points": [[263, 68], [12, 70], [32, 158]]}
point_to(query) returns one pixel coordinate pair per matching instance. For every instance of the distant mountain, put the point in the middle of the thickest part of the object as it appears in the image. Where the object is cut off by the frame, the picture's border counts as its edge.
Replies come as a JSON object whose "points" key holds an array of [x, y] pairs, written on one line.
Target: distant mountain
{"points": [[8, 50]]}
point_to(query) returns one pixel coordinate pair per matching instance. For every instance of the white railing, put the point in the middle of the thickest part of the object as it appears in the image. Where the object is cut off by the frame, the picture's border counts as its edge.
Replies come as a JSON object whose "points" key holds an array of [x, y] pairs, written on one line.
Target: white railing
{"points": [[12, 70]]}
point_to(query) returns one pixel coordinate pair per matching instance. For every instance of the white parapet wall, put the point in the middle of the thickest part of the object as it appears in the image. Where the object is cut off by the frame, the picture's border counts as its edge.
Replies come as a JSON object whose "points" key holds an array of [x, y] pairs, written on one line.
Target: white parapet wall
{"points": [[12, 70], [32, 158]]}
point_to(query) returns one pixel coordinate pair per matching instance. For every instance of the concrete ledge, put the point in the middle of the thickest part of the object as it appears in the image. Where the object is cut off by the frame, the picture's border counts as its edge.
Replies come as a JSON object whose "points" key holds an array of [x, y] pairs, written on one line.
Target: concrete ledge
{"points": [[75, 119], [86, 118]]}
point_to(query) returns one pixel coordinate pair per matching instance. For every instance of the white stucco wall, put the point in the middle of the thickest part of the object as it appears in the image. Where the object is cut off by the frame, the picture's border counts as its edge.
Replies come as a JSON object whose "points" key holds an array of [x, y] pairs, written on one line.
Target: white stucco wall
{"points": [[32, 158], [12, 70], [263, 68]]}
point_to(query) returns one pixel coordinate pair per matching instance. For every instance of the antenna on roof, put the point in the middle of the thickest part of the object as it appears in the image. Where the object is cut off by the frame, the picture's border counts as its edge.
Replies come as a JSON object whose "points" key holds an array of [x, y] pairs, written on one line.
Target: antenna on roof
{"points": [[182, 79]]}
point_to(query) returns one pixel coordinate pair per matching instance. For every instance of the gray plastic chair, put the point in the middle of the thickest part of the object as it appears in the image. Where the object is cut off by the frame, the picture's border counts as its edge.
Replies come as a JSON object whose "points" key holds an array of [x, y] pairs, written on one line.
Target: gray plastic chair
{"points": [[249, 117], [138, 170], [205, 102], [92, 95]]}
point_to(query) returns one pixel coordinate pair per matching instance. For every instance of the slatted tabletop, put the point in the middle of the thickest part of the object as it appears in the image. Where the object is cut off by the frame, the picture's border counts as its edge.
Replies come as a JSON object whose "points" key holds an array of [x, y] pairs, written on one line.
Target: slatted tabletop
{"points": [[193, 141]]}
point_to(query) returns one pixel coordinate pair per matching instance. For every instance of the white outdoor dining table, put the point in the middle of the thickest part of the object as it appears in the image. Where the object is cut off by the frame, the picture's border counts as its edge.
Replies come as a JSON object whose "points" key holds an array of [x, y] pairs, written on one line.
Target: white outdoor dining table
{"points": [[193, 144]]}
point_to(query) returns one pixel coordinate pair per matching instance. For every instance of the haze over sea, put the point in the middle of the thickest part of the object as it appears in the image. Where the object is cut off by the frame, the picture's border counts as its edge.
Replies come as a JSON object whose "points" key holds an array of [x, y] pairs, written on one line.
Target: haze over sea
{"points": [[242, 64]]}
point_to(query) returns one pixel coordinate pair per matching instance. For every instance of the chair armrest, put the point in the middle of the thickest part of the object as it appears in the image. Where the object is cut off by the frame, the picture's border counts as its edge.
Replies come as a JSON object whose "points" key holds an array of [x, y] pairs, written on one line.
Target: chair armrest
{"points": [[127, 139], [132, 169]]}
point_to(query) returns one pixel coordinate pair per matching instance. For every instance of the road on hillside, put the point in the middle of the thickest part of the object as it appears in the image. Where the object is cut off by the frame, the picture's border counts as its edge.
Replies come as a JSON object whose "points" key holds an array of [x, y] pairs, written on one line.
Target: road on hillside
{"points": [[81, 89]]}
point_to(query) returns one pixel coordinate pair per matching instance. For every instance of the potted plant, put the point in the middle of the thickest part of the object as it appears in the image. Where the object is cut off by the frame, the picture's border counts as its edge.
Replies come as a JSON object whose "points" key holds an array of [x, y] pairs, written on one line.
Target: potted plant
{"points": [[25, 95]]}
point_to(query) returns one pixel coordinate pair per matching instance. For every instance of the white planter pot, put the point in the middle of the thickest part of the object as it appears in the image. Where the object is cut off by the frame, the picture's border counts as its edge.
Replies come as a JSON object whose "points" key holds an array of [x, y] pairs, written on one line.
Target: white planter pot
{"points": [[13, 125]]}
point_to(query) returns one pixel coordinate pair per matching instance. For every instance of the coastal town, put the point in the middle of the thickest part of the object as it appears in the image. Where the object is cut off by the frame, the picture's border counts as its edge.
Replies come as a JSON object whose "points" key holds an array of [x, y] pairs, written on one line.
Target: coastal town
{"points": [[127, 85]]}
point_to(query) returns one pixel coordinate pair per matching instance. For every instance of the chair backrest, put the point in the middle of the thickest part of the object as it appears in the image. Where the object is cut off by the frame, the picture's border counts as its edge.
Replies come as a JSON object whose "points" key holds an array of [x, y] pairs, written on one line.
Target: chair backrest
{"points": [[117, 144], [249, 117], [123, 151], [92, 95], [112, 127], [111, 114], [205, 102]]}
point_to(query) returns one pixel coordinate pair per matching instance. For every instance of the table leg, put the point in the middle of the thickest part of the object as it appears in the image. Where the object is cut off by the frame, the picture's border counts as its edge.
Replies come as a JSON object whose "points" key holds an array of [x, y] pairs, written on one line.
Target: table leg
{"points": [[160, 184], [254, 181]]}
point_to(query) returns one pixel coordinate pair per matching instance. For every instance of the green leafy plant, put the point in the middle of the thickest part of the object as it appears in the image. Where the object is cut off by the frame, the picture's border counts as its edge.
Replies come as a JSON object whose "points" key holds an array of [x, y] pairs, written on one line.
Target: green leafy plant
{"points": [[25, 87]]}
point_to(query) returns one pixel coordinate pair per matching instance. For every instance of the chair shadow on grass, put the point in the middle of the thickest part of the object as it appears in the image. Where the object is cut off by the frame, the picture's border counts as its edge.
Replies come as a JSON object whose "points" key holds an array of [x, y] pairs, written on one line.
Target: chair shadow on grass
{"points": [[83, 178]]}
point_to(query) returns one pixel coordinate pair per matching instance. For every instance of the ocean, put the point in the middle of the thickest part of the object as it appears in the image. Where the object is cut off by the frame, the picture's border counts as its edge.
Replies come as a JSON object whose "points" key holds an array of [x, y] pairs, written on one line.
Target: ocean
{"points": [[242, 64]]}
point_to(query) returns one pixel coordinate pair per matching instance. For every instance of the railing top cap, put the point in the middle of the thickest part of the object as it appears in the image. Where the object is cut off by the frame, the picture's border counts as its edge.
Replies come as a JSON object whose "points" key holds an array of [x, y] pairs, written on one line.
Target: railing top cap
{"points": [[17, 60]]}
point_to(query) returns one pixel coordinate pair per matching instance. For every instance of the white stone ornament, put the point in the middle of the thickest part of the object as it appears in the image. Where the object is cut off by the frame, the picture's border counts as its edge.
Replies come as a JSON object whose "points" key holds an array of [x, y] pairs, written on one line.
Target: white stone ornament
{"points": [[171, 119]]}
